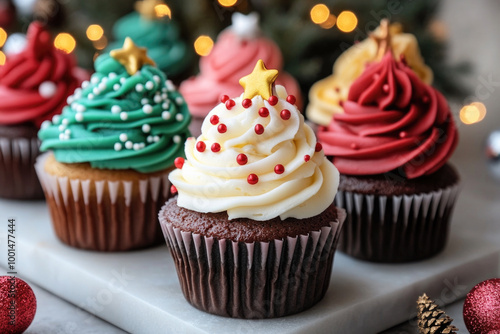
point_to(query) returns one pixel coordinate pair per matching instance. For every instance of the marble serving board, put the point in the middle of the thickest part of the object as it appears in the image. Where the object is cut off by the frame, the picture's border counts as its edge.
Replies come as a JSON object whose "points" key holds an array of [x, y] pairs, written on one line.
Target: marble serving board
{"points": [[139, 291]]}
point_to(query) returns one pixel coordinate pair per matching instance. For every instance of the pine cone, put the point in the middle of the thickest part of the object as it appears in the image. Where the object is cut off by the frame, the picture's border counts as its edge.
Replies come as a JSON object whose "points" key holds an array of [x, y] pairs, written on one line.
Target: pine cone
{"points": [[431, 319]]}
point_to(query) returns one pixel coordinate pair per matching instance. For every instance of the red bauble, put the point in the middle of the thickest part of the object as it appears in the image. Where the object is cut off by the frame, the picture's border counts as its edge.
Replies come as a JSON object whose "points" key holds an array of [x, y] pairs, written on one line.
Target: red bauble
{"points": [[173, 190], [252, 179], [17, 305], [214, 119], [259, 129], [279, 169], [482, 307], [272, 100], [246, 103], [200, 146], [224, 98], [241, 159], [285, 114], [263, 112], [179, 162], [291, 99], [222, 128], [230, 104], [215, 147], [318, 147]]}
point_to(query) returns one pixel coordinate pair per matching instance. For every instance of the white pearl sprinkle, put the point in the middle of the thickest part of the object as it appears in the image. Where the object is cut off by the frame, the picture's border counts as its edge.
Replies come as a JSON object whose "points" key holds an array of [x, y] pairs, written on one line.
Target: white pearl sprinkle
{"points": [[61, 136], [65, 121], [62, 127], [85, 84], [118, 146], [70, 99], [55, 119], [157, 99], [122, 80], [116, 86], [78, 91], [156, 139], [165, 115], [104, 80], [156, 78], [80, 108], [96, 91], [165, 105], [144, 101], [45, 124], [102, 85], [116, 109], [139, 88], [112, 75], [170, 85], [146, 128], [94, 79], [179, 100], [47, 89], [177, 139], [137, 146], [150, 85], [149, 139], [129, 145], [147, 109], [67, 132], [123, 137], [90, 96], [164, 89], [123, 116], [79, 117], [179, 117], [164, 96]]}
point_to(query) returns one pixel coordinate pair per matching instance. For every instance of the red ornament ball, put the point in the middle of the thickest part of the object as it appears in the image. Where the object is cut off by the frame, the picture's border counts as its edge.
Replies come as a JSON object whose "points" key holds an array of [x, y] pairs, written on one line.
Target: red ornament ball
{"points": [[263, 112], [246, 103], [279, 169], [252, 179], [285, 114], [291, 99], [241, 159], [259, 129], [272, 100], [224, 98], [222, 128], [482, 307], [173, 190], [214, 119], [200, 146], [179, 162], [215, 147], [17, 305], [230, 104]]}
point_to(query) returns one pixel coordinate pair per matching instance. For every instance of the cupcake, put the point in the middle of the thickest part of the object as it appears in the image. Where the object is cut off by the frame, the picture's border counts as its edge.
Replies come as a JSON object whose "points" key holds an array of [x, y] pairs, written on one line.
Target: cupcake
{"points": [[234, 54], [34, 85], [326, 95], [151, 27], [110, 152], [391, 145], [253, 230]]}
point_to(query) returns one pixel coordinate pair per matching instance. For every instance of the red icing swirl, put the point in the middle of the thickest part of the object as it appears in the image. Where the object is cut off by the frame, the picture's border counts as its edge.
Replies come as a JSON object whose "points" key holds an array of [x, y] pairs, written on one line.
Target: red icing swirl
{"points": [[392, 121], [23, 73], [231, 59]]}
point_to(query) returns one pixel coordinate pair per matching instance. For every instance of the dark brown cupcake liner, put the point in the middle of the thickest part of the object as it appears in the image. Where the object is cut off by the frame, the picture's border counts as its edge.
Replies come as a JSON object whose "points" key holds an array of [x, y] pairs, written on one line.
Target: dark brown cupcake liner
{"points": [[396, 228], [254, 280], [18, 178], [105, 215]]}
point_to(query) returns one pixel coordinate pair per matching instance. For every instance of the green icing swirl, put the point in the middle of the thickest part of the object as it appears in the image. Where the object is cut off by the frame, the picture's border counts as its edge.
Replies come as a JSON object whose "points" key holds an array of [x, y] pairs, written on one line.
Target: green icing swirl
{"points": [[160, 37], [114, 124]]}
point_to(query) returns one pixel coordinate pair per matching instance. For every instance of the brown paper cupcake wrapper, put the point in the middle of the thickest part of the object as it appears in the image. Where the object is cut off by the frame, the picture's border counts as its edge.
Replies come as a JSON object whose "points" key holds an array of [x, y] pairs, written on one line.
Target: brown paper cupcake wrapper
{"points": [[396, 228], [254, 280], [116, 216], [18, 179]]}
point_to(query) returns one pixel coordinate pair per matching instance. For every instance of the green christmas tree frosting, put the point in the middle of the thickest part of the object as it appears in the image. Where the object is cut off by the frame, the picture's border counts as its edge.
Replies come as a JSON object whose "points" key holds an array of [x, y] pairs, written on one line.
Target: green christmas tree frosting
{"points": [[129, 116]]}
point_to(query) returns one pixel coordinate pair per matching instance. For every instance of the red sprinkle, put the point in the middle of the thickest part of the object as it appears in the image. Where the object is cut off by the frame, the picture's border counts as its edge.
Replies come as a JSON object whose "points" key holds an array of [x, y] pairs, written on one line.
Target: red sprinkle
{"points": [[272, 100], [214, 119], [291, 99], [215, 147], [173, 189], [263, 112], [179, 162], [230, 104], [252, 179], [200, 146], [318, 147], [246, 103], [222, 128], [241, 159], [307, 157], [285, 114], [224, 98], [259, 129], [279, 169]]}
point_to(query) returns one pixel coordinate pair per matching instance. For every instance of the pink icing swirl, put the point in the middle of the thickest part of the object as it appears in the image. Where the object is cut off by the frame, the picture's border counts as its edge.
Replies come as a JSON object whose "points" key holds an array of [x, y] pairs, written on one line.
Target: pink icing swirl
{"points": [[23, 73], [392, 121], [231, 59]]}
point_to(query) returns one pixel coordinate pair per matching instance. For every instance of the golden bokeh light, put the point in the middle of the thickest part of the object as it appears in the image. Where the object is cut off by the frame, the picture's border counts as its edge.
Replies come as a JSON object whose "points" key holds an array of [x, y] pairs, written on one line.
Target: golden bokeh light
{"points": [[227, 3], [319, 13], [163, 10], [473, 113], [65, 42], [203, 45], [94, 32], [101, 43], [329, 23], [347, 21], [2, 58], [3, 37]]}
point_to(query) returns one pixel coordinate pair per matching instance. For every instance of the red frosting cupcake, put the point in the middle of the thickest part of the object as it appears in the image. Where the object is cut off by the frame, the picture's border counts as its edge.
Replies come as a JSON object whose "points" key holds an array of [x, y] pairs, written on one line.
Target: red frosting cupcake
{"points": [[392, 145], [34, 86]]}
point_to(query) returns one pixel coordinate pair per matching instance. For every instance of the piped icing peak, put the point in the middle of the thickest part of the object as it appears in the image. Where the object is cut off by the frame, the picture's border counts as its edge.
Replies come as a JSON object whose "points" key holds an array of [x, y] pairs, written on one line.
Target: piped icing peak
{"points": [[256, 158], [34, 83], [120, 121], [392, 121]]}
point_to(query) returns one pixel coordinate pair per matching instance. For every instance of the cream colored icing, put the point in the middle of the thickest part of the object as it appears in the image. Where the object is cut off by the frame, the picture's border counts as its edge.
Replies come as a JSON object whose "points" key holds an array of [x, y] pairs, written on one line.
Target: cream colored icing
{"points": [[215, 182]]}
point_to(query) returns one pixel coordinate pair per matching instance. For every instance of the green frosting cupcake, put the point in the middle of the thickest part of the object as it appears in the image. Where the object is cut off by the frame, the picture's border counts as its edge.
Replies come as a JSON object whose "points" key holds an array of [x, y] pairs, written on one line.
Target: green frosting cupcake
{"points": [[119, 120], [160, 35]]}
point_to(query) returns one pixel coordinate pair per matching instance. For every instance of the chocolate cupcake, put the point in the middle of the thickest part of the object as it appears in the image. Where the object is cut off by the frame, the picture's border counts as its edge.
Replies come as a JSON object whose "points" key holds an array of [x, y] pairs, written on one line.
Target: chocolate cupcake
{"points": [[105, 177], [391, 146], [34, 85], [253, 230]]}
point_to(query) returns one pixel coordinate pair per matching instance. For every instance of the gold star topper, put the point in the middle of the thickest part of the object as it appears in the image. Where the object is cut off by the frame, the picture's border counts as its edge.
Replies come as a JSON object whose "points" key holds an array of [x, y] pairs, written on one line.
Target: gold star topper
{"points": [[259, 82], [131, 56], [384, 40], [148, 8]]}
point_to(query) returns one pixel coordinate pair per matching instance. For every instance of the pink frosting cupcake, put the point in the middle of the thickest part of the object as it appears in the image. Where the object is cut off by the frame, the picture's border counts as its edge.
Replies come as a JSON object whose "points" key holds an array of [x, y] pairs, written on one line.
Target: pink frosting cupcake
{"points": [[237, 50]]}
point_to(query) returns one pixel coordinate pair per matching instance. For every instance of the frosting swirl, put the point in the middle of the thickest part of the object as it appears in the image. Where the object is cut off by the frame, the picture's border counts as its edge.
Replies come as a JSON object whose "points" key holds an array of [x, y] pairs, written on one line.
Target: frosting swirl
{"points": [[326, 95], [392, 121], [120, 121], [231, 58], [256, 159], [35, 83]]}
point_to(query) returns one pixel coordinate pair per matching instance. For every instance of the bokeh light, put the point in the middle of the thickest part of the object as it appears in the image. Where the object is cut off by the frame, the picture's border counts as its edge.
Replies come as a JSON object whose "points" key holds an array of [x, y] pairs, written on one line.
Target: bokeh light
{"points": [[101, 43], [65, 42], [473, 113], [3, 37], [347, 21], [2, 58], [227, 3], [329, 23], [94, 32], [319, 13], [163, 10], [203, 45]]}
